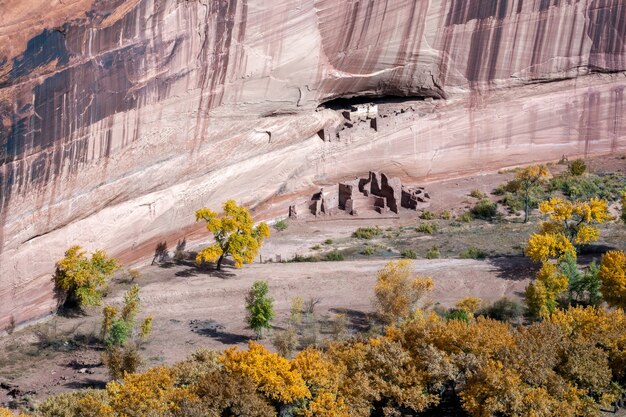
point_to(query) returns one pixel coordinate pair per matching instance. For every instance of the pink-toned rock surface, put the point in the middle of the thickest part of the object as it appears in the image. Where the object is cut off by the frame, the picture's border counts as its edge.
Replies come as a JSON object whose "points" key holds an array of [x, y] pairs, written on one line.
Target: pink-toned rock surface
{"points": [[119, 118]]}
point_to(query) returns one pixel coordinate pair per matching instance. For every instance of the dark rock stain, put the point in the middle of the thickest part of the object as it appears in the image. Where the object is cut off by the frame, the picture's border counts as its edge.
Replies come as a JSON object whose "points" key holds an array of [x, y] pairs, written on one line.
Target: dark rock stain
{"points": [[214, 59], [485, 38], [538, 42], [607, 30], [464, 11], [544, 5], [40, 51]]}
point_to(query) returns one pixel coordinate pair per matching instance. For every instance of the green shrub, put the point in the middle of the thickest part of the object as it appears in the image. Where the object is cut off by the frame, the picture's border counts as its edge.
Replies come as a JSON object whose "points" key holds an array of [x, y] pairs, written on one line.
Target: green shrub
{"points": [[119, 332], [478, 194], [301, 258], [328, 242], [484, 209], [367, 232], [472, 253], [466, 217], [427, 228], [460, 315], [503, 309], [427, 215], [260, 308], [604, 186], [446, 215], [334, 256], [433, 253], [316, 247], [368, 250], [408, 254], [281, 225], [577, 167], [515, 202]]}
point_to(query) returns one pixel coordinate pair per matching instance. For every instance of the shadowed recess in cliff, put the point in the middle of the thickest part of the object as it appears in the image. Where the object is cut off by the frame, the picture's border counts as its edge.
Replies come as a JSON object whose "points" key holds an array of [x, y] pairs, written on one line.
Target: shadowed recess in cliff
{"points": [[342, 103]]}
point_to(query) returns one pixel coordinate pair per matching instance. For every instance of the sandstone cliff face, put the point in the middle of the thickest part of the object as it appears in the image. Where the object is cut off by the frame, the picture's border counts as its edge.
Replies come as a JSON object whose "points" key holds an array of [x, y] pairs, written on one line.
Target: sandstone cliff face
{"points": [[118, 118]]}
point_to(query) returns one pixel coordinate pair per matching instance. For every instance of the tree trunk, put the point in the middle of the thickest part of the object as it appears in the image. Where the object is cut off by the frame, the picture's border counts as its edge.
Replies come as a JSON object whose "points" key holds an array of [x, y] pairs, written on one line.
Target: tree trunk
{"points": [[526, 204], [219, 262]]}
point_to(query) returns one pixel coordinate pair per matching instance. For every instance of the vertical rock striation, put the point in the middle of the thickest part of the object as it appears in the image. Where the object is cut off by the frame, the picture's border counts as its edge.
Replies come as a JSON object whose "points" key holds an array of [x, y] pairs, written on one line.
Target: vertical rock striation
{"points": [[119, 117]]}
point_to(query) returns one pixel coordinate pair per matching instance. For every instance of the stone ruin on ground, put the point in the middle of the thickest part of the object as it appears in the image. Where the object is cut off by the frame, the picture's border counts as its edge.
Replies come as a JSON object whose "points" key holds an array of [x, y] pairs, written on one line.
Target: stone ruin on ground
{"points": [[377, 193]]}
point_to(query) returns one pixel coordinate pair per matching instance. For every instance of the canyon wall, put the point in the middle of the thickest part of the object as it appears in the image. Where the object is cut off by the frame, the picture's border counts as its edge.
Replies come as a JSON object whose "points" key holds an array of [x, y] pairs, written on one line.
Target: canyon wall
{"points": [[118, 118]]}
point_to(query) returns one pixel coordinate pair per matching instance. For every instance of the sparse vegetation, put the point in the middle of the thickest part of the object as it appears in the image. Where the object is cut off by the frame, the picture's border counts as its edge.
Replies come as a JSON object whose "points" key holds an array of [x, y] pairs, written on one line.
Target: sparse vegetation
{"points": [[466, 217], [328, 242], [577, 167], [478, 194], [281, 225], [460, 315], [133, 274], [485, 209], [333, 256], [446, 215], [408, 254], [367, 232], [428, 228], [427, 215], [123, 335], [433, 253], [605, 186], [368, 250], [302, 258], [472, 253]]}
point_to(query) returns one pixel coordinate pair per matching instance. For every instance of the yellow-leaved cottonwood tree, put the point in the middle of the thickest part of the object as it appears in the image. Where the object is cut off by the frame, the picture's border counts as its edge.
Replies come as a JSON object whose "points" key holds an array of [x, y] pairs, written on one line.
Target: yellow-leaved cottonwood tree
{"points": [[82, 279], [613, 277], [398, 290], [569, 224], [234, 233]]}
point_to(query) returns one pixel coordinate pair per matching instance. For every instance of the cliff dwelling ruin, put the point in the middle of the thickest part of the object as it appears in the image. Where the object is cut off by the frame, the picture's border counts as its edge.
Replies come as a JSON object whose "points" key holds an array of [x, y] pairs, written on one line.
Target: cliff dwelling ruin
{"points": [[363, 117], [376, 193]]}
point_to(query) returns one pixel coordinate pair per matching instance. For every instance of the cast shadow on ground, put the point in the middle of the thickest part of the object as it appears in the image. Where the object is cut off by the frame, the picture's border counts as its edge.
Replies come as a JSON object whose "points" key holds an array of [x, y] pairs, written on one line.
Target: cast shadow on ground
{"points": [[357, 320], [514, 268], [195, 271], [86, 383], [214, 330]]}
